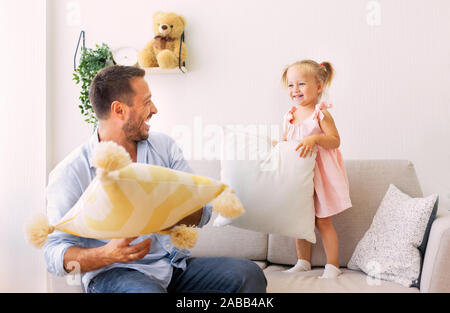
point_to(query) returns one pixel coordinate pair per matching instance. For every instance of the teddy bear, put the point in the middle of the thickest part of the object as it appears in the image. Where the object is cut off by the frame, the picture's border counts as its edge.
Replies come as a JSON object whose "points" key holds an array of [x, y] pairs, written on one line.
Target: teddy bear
{"points": [[164, 49]]}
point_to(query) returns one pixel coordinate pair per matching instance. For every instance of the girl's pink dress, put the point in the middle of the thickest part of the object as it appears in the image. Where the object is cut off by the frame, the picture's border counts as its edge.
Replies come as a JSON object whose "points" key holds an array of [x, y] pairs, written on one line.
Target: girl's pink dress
{"points": [[330, 179]]}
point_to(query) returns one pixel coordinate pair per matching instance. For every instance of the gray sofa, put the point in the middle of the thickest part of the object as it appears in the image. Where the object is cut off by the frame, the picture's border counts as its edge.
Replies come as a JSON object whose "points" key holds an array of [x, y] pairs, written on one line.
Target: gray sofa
{"points": [[369, 181]]}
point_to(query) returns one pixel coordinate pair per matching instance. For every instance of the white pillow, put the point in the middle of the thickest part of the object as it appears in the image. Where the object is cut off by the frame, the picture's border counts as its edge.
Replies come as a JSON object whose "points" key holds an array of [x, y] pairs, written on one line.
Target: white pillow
{"points": [[389, 249], [274, 184]]}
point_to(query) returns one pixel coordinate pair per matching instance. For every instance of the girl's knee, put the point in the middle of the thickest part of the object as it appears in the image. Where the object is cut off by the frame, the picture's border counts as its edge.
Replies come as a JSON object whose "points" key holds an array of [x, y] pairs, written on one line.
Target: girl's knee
{"points": [[323, 223]]}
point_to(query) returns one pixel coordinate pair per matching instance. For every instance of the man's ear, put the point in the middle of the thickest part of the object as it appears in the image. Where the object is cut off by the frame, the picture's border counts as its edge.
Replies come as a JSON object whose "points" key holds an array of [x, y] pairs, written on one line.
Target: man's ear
{"points": [[118, 109]]}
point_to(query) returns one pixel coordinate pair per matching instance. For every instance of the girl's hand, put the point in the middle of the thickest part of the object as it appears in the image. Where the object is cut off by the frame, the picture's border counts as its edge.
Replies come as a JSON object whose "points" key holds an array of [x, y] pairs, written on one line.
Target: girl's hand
{"points": [[307, 146]]}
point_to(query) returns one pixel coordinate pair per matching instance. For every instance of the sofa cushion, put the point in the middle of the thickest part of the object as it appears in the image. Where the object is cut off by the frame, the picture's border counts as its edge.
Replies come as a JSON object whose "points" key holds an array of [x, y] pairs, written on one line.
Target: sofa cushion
{"points": [[369, 181], [230, 241], [348, 281]]}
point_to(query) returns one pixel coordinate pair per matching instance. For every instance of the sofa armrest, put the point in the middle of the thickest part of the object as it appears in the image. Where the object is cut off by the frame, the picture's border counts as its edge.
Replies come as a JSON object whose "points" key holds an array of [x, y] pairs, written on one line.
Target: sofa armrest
{"points": [[436, 266]]}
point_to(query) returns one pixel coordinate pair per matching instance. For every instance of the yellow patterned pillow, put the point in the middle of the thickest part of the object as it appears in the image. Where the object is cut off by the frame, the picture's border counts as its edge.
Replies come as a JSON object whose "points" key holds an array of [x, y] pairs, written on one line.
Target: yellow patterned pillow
{"points": [[128, 199]]}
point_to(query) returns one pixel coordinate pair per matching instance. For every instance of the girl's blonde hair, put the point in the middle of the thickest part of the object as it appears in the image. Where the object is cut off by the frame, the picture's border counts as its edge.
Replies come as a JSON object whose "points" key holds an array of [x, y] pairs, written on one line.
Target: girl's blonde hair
{"points": [[323, 72]]}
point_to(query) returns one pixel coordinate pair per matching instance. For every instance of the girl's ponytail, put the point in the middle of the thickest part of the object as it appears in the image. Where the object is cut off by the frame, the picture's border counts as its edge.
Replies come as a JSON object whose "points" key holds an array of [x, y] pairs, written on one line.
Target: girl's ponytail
{"points": [[328, 74]]}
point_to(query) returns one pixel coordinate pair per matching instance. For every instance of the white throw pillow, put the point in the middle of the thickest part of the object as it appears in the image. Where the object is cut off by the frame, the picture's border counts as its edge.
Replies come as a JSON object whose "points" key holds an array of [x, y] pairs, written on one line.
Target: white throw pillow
{"points": [[389, 249], [274, 184]]}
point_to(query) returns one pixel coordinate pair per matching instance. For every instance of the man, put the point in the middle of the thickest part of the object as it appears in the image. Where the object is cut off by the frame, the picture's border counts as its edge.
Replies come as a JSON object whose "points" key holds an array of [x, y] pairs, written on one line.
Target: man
{"points": [[122, 102]]}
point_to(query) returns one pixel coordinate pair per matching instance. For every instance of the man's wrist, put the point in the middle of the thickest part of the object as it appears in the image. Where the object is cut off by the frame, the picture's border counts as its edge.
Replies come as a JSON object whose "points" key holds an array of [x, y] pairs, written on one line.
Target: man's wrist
{"points": [[88, 259], [102, 256]]}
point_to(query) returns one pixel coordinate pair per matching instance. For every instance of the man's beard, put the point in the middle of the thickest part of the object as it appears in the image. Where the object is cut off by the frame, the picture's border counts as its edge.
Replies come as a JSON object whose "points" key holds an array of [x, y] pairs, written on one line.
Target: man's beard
{"points": [[133, 130]]}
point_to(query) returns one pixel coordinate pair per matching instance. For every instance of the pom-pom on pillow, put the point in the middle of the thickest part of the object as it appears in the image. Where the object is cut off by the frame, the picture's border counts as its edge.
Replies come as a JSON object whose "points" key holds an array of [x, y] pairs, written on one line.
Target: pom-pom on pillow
{"points": [[274, 184], [128, 199]]}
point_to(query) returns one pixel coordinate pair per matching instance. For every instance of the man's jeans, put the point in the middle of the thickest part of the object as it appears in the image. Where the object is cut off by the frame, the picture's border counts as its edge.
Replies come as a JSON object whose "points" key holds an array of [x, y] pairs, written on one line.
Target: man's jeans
{"points": [[202, 275]]}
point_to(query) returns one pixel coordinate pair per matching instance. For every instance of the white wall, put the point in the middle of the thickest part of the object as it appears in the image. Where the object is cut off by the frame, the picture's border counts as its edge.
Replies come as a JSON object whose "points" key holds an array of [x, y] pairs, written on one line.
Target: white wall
{"points": [[23, 141], [390, 94]]}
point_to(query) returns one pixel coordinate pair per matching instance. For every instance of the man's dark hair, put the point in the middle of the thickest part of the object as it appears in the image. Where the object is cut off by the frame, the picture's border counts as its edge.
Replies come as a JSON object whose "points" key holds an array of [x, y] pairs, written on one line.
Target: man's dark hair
{"points": [[112, 84]]}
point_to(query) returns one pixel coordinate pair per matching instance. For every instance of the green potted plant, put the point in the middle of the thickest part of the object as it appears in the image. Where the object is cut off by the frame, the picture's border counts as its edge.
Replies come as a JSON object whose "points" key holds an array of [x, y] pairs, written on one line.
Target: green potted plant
{"points": [[91, 61]]}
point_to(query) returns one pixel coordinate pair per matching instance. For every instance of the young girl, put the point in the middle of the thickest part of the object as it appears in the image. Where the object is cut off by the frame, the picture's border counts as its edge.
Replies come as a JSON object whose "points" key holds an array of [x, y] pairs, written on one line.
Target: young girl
{"points": [[310, 123]]}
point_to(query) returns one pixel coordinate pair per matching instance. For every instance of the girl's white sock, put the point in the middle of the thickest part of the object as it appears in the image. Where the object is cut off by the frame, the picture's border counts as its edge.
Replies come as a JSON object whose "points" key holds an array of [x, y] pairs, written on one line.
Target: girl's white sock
{"points": [[301, 266], [330, 271]]}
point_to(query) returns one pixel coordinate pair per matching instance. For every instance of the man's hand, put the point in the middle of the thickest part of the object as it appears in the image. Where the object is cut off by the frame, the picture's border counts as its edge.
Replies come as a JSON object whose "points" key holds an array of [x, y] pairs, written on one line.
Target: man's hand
{"points": [[120, 250], [115, 251]]}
